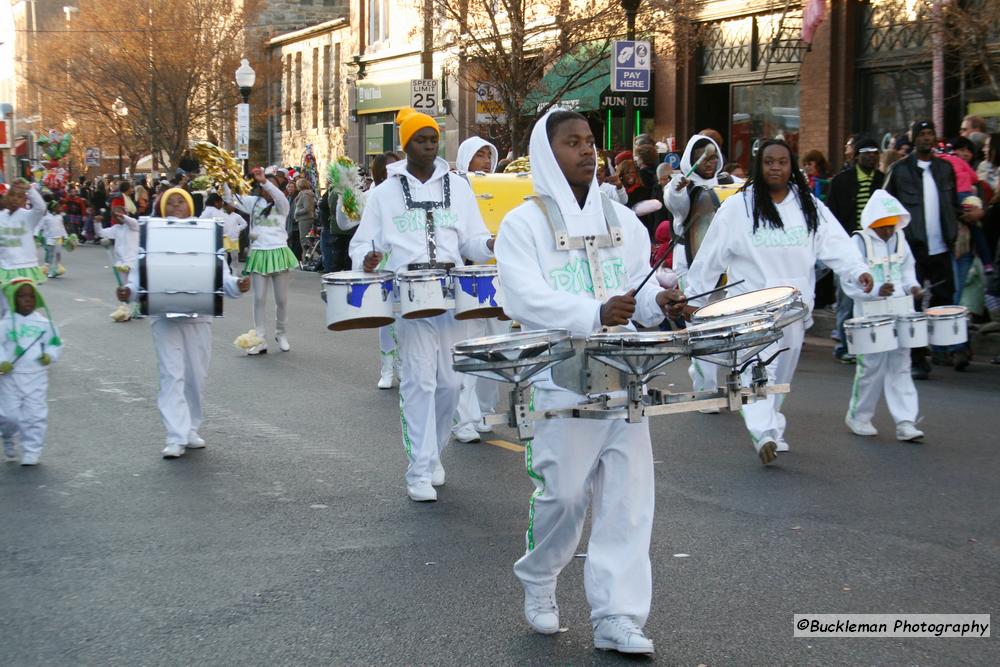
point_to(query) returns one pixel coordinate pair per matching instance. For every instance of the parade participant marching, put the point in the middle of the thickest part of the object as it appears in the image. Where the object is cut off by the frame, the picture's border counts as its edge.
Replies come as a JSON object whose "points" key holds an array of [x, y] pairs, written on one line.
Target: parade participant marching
{"points": [[771, 234], [18, 227], [124, 235], [54, 232], [183, 348], [423, 216], [232, 224], [270, 258], [478, 394], [573, 463], [689, 200], [29, 343], [893, 267]]}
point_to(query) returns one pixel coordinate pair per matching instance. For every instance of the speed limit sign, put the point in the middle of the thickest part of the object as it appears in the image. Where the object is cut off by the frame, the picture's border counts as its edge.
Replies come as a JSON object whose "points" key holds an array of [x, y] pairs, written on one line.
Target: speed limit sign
{"points": [[423, 95]]}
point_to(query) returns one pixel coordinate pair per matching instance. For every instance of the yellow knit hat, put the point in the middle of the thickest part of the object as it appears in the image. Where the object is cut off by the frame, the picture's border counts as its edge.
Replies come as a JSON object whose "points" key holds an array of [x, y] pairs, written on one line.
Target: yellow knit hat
{"points": [[402, 114], [412, 122], [890, 221], [175, 191]]}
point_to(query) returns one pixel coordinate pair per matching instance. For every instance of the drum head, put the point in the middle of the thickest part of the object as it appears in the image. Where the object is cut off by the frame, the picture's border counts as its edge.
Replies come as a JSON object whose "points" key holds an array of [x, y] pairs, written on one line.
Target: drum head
{"points": [[946, 311], [356, 277], [868, 321], [421, 275], [475, 270], [421, 314], [361, 323], [769, 298], [480, 313]]}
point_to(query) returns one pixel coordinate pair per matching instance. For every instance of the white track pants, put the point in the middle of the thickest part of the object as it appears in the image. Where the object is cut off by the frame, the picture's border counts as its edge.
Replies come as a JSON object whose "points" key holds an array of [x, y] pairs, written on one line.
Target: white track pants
{"points": [[261, 285], [387, 339], [428, 390], [704, 375], [889, 371], [479, 396], [608, 465], [184, 350], [764, 418], [24, 409]]}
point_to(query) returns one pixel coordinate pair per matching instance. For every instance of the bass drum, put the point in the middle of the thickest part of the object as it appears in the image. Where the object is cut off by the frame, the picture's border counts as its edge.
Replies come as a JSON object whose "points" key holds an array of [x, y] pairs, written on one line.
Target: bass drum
{"points": [[704, 203], [180, 267]]}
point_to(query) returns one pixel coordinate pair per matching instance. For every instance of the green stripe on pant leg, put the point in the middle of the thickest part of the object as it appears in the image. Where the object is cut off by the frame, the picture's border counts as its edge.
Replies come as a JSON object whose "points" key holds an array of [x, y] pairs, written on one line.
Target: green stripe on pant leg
{"points": [[535, 476], [407, 443], [859, 371]]}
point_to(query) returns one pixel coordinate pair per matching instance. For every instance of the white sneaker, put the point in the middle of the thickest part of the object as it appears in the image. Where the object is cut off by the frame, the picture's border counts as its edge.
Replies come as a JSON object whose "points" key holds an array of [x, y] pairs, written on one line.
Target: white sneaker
{"points": [[258, 349], [908, 432], [385, 381], [768, 451], [421, 492], [709, 411], [620, 633], [195, 441], [781, 445], [283, 342], [542, 613], [483, 428], [437, 477], [173, 451], [859, 427], [466, 433], [30, 459]]}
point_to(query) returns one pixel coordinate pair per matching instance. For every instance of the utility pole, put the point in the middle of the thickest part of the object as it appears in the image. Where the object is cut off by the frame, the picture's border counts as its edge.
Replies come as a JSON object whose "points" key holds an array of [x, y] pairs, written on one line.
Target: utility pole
{"points": [[631, 8]]}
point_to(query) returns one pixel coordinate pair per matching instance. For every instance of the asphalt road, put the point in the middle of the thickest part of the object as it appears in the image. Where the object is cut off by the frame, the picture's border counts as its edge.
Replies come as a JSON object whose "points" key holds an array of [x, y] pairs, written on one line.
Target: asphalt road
{"points": [[290, 541]]}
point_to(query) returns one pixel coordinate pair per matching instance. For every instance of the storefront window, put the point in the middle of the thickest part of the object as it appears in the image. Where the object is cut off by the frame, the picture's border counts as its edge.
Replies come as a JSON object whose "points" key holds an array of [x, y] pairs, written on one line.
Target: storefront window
{"points": [[762, 112], [896, 99]]}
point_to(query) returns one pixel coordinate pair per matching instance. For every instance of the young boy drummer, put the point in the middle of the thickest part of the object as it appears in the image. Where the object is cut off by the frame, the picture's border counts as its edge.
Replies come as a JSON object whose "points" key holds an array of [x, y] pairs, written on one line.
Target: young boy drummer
{"points": [[893, 267], [183, 348], [423, 216], [607, 464]]}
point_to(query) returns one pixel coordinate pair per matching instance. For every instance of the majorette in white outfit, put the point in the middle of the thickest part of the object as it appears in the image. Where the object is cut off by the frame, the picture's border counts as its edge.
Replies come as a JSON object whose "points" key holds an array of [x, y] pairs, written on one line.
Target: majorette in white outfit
{"points": [[28, 345], [183, 352], [576, 463], [704, 376], [269, 260], [18, 227], [773, 256], [54, 232], [232, 224], [395, 220], [892, 262], [478, 395]]}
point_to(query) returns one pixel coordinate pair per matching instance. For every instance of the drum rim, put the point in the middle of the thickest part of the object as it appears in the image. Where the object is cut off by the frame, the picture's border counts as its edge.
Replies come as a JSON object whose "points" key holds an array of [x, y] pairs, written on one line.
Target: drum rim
{"points": [[869, 321], [774, 304], [936, 311], [701, 330], [421, 275], [912, 317], [362, 277], [518, 339], [631, 338], [475, 270]]}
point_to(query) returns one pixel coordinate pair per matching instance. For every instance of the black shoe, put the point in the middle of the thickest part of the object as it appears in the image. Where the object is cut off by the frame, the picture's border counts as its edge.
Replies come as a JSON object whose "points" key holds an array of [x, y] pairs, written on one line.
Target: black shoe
{"points": [[961, 359], [921, 370], [941, 358]]}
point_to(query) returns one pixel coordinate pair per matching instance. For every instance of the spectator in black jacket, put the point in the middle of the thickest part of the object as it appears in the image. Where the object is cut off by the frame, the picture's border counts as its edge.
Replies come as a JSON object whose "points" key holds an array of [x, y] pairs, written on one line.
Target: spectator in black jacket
{"points": [[849, 191], [925, 185]]}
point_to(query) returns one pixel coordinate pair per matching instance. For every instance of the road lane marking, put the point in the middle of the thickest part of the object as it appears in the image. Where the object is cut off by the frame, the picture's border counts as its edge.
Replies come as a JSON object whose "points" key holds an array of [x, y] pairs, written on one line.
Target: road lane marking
{"points": [[505, 445]]}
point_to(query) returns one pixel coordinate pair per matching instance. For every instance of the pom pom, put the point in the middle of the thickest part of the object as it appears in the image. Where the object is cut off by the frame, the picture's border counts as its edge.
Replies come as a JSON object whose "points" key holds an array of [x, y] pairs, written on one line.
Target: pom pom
{"points": [[248, 340]]}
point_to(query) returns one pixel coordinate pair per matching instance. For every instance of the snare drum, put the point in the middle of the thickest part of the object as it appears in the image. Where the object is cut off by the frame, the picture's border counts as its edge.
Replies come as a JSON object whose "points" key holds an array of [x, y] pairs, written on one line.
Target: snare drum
{"points": [[784, 302], [911, 330], [475, 289], [637, 354], [422, 293], [733, 333], [180, 267], [947, 325], [871, 335], [512, 357], [358, 300]]}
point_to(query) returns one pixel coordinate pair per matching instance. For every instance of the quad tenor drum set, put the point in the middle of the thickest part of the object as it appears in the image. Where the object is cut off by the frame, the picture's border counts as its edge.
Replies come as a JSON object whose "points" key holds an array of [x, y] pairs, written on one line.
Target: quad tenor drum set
{"points": [[613, 370], [891, 323]]}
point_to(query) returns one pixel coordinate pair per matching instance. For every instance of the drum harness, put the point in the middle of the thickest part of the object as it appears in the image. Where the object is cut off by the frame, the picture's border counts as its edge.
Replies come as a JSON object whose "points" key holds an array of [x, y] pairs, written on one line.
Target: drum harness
{"points": [[430, 230], [886, 262]]}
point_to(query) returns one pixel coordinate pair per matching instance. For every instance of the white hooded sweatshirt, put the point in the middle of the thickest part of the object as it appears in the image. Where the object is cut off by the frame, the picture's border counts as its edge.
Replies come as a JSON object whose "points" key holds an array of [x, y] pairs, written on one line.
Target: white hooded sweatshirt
{"points": [[677, 201], [53, 228], [460, 231], [772, 257], [468, 149], [267, 230], [17, 233], [545, 288], [890, 261]]}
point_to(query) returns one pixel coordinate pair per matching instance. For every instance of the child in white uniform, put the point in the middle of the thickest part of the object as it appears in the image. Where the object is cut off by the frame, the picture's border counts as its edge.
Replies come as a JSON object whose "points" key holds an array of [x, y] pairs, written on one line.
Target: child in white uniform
{"points": [[29, 343], [183, 349], [395, 221], [893, 267], [606, 465], [55, 233], [232, 224], [18, 227], [478, 395]]}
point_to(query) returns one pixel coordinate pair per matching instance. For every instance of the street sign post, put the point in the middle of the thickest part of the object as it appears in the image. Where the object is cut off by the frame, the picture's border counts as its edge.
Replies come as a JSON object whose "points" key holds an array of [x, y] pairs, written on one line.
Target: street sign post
{"points": [[424, 96], [242, 131], [489, 109], [631, 63], [92, 157]]}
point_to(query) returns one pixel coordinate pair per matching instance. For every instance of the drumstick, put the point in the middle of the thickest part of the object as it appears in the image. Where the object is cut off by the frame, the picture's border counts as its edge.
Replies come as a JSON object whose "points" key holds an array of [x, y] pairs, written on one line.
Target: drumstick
{"points": [[711, 291], [659, 263], [28, 348], [708, 152], [114, 270]]}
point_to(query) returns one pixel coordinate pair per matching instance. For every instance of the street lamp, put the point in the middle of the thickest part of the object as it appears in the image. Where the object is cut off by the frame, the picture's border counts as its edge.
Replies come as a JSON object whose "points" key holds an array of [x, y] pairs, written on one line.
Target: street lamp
{"points": [[631, 8], [120, 110], [245, 77]]}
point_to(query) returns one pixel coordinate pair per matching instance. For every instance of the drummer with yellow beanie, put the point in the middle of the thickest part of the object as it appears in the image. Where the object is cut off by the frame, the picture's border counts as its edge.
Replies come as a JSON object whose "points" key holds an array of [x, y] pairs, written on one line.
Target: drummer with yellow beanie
{"points": [[893, 269], [423, 217]]}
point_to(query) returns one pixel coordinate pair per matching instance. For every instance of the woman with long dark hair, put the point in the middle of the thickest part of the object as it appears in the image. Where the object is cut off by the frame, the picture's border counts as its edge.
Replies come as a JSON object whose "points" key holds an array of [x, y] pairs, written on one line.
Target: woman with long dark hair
{"points": [[771, 234]]}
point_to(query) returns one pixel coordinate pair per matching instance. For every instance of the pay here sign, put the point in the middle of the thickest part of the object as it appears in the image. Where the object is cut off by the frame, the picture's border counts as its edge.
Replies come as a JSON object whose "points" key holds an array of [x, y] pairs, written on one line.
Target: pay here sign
{"points": [[630, 66]]}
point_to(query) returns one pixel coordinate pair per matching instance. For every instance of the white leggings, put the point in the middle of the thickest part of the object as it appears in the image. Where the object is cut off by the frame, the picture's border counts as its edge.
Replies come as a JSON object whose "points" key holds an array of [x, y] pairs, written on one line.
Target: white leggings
{"points": [[261, 285]]}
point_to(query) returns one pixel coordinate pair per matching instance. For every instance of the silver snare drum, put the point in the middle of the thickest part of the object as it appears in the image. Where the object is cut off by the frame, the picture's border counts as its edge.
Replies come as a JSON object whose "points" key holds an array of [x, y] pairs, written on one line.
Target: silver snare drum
{"points": [[513, 357], [733, 333]]}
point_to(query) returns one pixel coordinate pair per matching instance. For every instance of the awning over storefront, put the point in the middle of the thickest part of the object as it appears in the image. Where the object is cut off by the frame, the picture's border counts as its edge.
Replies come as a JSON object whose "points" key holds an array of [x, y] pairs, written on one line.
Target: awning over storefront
{"points": [[585, 95], [382, 97], [616, 102]]}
